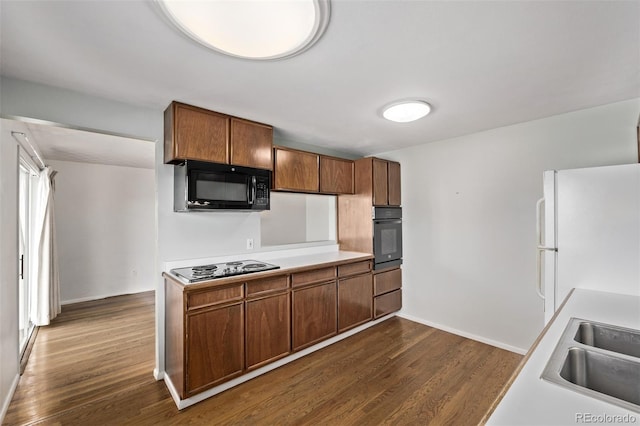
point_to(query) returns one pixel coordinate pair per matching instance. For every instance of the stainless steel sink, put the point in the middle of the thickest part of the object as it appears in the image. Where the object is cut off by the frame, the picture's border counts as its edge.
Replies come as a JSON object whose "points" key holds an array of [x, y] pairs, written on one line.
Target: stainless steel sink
{"points": [[609, 375], [598, 360], [616, 339]]}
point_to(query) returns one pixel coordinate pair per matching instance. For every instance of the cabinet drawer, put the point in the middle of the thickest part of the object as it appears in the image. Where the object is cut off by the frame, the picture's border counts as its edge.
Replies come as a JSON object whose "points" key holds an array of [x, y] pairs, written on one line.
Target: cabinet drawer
{"points": [[313, 276], [213, 296], [354, 268], [387, 281], [387, 303], [266, 285]]}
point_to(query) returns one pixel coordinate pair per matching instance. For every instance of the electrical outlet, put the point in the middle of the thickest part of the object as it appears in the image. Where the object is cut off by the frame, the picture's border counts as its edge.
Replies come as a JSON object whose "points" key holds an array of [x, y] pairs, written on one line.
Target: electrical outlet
{"points": [[249, 243]]}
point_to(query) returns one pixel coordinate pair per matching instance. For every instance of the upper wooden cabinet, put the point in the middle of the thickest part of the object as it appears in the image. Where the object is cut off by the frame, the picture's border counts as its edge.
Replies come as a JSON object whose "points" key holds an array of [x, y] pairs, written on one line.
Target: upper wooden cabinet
{"points": [[380, 183], [192, 133], [379, 180], [295, 170], [303, 171], [336, 175], [393, 183], [251, 144]]}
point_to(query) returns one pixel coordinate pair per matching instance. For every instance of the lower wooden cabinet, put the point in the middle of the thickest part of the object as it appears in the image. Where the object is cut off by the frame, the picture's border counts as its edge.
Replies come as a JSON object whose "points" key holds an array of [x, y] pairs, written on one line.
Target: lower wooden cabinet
{"points": [[268, 329], [387, 303], [354, 301], [387, 292], [387, 281], [214, 346], [314, 314]]}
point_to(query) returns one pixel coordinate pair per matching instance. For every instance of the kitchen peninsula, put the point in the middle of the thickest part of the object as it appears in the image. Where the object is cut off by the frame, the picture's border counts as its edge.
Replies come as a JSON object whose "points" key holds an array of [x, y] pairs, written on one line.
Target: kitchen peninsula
{"points": [[222, 332]]}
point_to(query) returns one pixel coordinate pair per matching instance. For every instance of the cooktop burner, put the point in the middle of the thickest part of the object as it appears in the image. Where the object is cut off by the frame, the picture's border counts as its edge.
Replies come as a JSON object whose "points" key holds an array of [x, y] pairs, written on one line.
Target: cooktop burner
{"points": [[221, 270]]}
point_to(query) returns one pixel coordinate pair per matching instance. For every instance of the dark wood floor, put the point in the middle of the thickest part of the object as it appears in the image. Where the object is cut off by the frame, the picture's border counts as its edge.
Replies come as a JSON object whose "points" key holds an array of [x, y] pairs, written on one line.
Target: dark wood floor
{"points": [[93, 365]]}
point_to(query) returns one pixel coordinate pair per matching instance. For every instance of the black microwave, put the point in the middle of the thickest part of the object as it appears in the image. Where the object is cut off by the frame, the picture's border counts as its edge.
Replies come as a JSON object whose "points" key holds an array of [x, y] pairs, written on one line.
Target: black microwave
{"points": [[206, 186]]}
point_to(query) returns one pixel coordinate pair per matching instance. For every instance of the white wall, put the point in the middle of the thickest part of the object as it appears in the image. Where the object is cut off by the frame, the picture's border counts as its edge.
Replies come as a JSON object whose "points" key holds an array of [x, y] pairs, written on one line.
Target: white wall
{"points": [[469, 217], [322, 218], [286, 221], [105, 223], [8, 267]]}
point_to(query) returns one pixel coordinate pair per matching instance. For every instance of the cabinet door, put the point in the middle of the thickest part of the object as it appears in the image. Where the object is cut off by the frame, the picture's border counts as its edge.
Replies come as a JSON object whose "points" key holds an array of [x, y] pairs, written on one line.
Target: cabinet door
{"points": [[268, 329], [215, 346], [387, 303], [355, 298], [394, 183], [380, 183], [336, 175], [296, 170], [387, 281], [314, 314], [251, 144], [198, 134]]}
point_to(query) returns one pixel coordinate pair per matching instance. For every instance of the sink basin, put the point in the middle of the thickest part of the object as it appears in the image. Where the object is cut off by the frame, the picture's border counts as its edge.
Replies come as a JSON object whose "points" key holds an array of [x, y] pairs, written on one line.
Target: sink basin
{"points": [[606, 374], [598, 360], [611, 338]]}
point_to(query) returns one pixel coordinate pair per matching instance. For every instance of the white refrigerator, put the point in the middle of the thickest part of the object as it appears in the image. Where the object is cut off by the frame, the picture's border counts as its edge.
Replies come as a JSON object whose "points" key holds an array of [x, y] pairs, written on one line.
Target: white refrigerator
{"points": [[588, 232]]}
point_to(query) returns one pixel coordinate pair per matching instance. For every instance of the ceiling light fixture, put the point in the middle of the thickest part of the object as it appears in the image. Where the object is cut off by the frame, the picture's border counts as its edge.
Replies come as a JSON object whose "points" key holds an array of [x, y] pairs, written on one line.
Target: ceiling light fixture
{"points": [[405, 111], [251, 29]]}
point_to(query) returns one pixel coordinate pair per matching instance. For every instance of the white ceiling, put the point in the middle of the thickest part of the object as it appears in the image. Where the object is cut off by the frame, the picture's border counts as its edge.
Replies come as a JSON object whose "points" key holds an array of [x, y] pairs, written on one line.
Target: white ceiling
{"points": [[67, 144], [481, 64]]}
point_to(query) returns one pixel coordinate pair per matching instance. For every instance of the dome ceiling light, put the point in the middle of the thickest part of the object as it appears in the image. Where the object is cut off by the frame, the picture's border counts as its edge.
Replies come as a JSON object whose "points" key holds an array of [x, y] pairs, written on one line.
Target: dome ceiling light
{"points": [[406, 111], [251, 29]]}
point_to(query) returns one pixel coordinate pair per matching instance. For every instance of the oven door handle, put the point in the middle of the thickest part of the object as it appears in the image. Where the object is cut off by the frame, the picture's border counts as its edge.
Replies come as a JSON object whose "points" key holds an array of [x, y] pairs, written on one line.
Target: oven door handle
{"points": [[383, 221]]}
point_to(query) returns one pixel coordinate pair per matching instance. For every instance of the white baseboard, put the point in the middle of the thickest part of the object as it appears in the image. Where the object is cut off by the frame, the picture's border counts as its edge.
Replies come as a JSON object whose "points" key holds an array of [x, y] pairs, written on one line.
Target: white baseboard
{"points": [[157, 374], [8, 398], [464, 334], [104, 296]]}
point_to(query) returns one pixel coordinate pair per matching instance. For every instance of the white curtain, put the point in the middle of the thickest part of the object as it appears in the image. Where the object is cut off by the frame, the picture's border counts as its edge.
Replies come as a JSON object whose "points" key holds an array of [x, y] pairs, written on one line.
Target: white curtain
{"points": [[45, 299]]}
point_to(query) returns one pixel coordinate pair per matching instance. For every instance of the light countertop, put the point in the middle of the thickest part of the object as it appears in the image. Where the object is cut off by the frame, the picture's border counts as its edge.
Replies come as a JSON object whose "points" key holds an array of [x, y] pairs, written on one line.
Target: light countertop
{"points": [[533, 401], [288, 263]]}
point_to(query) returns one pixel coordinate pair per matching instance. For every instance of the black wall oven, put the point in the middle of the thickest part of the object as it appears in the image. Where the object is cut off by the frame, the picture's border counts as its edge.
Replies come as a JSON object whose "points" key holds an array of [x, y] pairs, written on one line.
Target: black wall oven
{"points": [[387, 237]]}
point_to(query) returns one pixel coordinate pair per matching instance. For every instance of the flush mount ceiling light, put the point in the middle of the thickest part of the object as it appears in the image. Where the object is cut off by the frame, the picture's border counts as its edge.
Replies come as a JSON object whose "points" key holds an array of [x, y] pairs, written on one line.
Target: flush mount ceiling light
{"points": [[405, 111], [251, 29]]}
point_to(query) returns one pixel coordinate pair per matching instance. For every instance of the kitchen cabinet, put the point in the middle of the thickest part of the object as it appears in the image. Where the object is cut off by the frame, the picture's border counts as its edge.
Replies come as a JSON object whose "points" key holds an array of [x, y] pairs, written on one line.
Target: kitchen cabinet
{"points": [[393, 183], [380, 182], [295, 170], [204, 332], [303, 171], [314, 311], [251, 144], [386, 182], [268, 321], [354, 295], [216, 332], [336, 175], [192, 133], [387, 291], [314, 314], [214, 346]]}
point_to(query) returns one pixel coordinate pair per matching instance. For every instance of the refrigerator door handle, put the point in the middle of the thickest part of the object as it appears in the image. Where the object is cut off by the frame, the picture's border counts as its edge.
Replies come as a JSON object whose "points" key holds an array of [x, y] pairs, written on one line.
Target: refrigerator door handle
{"points": [[539, 275], [541, 247], [539, 221]]}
